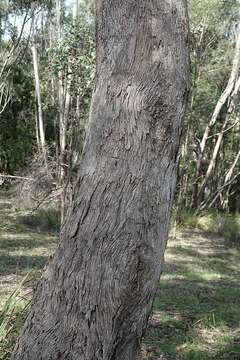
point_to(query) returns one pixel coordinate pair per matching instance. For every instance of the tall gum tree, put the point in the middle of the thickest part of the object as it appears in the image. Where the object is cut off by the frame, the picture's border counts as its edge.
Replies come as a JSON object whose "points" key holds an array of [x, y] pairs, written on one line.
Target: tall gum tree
{"points": [[95, 296]]}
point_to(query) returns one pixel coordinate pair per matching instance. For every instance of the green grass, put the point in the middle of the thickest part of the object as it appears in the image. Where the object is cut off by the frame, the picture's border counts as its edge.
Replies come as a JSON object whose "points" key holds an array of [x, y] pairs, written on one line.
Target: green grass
{"points": [[198, 305], [213, 223], [12, 317], [47, 220], [26, 241]]}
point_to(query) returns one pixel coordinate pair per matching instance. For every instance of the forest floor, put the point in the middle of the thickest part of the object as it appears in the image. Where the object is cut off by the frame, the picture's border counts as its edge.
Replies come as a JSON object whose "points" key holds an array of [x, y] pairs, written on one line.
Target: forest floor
{"points": [[196, 312]]}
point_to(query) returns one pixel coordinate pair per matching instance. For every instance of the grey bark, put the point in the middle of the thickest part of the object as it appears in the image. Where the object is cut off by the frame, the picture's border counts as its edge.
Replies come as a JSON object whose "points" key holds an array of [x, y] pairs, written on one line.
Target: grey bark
{"points": [[96, 294]]}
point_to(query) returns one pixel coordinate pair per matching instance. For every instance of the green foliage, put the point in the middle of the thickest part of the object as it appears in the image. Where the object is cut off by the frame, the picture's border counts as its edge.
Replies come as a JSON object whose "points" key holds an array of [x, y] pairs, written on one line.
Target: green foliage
{"points": [[212, 24], [75, 50], [17, 132], [75, 54], [23, 5], [231, 230]]}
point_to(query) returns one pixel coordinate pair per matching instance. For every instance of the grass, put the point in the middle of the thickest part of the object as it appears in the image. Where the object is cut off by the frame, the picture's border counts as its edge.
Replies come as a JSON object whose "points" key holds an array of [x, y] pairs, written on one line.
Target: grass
{"points": [[196, 312], [25, 244], [198, 305], [214, 223], [12, 316], [26, 241]]}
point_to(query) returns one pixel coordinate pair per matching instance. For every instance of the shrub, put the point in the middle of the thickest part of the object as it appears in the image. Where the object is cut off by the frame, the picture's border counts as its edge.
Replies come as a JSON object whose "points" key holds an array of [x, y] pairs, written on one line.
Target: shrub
{"points": [[231, 229]]}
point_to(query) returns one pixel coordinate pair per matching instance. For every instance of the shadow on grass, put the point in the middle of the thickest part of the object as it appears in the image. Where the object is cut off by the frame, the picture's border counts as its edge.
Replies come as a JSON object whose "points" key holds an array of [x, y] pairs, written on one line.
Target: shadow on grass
{"points": [[20, 243], [222, 262], [197, 321], [197, 306], [44, 220], [20, 263]]}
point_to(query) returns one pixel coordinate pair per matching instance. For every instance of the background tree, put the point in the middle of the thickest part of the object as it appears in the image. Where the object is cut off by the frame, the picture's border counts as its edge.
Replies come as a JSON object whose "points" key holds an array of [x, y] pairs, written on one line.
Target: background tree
{"points": [[210, 151], [212, 136], [73, 56]]}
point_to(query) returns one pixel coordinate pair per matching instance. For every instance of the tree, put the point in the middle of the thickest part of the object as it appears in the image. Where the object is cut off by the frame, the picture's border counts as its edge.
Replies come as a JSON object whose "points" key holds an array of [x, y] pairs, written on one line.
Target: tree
{"points": [[229, 94], [39, 124], [212, 131], [73, 61], [96, 294], [9, 52]]}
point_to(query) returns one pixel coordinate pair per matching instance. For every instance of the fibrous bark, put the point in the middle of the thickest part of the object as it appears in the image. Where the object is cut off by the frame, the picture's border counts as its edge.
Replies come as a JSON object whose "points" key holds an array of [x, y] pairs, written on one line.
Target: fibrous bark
{"points": [[96, 294]]}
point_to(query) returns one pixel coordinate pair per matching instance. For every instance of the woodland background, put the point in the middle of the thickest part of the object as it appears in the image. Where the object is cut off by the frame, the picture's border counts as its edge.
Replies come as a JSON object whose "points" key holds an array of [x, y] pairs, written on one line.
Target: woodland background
{"points": [[47, 70]]}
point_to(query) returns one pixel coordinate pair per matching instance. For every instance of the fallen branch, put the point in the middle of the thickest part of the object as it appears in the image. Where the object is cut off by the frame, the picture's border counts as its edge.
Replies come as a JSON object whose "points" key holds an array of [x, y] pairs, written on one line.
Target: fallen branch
{"points": [[16, 177]]}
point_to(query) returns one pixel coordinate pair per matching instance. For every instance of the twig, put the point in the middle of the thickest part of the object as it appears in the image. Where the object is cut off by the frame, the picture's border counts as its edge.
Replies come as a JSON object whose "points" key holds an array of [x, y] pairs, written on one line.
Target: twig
{"points": [[16, 177]]}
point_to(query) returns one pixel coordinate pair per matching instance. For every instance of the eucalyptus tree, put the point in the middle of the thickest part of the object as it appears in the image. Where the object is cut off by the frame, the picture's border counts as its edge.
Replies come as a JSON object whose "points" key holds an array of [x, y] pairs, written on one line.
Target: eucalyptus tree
{"points": [[96, 294]]}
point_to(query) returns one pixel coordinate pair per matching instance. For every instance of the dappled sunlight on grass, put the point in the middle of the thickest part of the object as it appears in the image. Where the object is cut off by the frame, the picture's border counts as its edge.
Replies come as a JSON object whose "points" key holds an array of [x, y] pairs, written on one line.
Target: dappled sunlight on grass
{"points": [[198, 303], [196, 312], [24, 247]]}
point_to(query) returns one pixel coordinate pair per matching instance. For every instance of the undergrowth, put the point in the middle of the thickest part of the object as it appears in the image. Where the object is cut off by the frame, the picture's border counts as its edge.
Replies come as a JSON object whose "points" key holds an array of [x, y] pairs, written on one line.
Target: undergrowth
{"points": [[47, 219], [213, 223], [12, 317]]}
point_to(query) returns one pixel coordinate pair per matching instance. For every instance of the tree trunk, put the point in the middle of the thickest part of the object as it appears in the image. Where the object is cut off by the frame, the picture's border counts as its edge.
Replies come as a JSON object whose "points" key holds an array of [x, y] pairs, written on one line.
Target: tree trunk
{"points": [[64, 98], [228, 177], [96, 294], [228, 91], [40, 131], [75, 10], [39, 101], [232, 102]]}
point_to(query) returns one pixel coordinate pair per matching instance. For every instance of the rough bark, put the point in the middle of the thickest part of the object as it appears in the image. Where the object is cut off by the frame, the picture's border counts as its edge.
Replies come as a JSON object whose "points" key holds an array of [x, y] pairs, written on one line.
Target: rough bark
{"points": [[96, 294]]}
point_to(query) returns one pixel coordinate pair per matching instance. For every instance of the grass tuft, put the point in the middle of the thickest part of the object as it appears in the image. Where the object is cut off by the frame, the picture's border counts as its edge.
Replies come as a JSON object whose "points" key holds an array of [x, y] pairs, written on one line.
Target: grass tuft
{"points": [[12, 317]]}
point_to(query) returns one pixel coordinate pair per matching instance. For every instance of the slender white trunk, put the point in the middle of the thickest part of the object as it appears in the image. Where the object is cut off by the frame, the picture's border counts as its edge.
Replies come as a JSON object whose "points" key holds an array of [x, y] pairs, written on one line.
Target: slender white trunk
{"points": [[220, 137], [225, 95], [38, 97], [231, 170], [36, 126], [75, 10], [64, 101], [230, 91]]}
